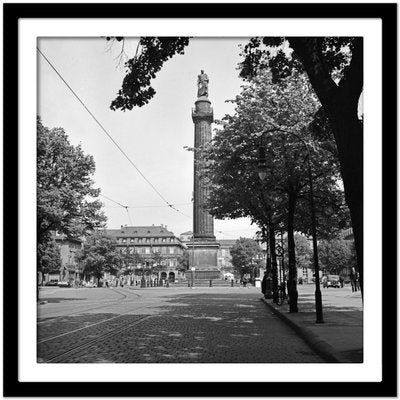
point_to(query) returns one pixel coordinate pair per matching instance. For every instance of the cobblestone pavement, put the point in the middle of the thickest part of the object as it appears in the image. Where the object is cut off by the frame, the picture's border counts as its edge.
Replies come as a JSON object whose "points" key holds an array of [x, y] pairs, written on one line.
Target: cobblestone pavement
{"points": [[161, 325]]}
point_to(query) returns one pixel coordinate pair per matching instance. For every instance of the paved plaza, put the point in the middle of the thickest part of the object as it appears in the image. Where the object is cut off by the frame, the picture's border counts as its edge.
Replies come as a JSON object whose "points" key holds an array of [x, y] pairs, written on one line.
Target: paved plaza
{"points": [[164, 325]]}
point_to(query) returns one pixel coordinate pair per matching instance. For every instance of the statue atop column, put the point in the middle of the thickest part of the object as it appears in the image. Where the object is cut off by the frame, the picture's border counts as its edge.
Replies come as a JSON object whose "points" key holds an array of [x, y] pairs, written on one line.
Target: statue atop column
{"points": [[202, 83]]}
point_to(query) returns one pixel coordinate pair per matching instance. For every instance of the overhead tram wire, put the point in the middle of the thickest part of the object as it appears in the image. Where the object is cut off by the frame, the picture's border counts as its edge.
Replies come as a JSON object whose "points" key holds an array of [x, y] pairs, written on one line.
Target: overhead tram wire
{"points": [[172, 206], [109, 136], [116, 202]]}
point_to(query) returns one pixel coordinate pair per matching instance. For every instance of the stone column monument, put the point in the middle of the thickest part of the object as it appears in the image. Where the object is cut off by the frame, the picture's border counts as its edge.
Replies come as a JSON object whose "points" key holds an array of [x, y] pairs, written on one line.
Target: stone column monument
{"points": [[203, 249]]}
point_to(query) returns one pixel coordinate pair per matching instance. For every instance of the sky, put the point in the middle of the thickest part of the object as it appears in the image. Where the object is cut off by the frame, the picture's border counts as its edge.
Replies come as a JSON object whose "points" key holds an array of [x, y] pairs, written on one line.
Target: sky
{"points": [[153, 136]]}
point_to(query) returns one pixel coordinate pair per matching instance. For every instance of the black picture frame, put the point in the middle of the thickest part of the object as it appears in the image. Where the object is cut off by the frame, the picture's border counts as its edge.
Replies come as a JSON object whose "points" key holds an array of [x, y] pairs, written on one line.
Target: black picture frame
{"points": [[12, 12]]}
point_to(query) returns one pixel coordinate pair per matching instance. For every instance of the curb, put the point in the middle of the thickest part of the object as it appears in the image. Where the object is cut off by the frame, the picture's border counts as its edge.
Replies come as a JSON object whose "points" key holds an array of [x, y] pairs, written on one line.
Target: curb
{"points": [[322, 348]]}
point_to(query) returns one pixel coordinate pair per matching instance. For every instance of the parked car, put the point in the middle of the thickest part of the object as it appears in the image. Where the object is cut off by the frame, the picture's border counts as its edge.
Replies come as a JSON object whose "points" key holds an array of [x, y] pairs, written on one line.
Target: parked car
{"points": [[330, 281], [90, 285], [64, 284], [52, 282]]}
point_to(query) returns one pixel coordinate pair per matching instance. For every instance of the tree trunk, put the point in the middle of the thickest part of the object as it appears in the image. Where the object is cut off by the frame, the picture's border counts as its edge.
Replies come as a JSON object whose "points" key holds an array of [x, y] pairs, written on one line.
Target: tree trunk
{"points": [[348, 133], [341, 106], [292, 284], [274, 265]]}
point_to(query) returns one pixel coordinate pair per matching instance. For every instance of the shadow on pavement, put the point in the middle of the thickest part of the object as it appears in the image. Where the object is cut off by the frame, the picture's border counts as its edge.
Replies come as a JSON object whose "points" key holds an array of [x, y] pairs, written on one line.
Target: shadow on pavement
{"points": [[60, 299]]}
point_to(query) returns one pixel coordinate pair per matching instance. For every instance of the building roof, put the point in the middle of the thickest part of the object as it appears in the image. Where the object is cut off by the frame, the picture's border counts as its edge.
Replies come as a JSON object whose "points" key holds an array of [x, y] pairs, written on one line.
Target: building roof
{"points": [[140, 231], [187, 233], [226, 242]]}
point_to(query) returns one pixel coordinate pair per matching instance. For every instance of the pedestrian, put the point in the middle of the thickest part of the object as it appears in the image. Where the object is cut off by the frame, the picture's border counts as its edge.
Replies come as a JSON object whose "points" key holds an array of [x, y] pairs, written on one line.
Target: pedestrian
{"points": [[264, 284], [358, 281], [341, 280], [353, 280]]}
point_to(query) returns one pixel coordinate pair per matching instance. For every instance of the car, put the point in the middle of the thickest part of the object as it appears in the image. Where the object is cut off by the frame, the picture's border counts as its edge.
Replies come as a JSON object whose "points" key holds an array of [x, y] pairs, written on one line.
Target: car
{"points": [[52, 282], [64, 284], [330, 281], [90, 285]]}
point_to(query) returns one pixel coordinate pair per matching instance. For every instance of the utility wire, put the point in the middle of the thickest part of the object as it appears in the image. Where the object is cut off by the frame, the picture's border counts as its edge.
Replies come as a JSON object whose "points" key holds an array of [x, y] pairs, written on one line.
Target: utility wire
{"points": [[110, 137], [121, 205], [172, 206]]}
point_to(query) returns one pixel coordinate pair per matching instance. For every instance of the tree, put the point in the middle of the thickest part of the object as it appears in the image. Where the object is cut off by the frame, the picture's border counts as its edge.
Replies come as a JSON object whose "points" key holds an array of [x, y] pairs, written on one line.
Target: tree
{"points": [[245, 256], [150, 56], [303, 251], [335, 69], [99, 255], [158, 258], [273, 117], [64, 187], [48, 257], [336, 256], [183, 261]]}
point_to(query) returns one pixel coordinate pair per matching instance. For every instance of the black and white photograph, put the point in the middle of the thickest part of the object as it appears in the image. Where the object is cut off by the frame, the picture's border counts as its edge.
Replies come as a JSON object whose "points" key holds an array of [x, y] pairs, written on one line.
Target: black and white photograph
{"points": [[210, 210], [198, 201]]}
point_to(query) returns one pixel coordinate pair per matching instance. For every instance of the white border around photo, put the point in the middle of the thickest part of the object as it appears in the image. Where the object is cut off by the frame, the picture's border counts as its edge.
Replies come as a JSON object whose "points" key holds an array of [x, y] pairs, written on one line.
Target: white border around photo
{"points": [[369, 371]]}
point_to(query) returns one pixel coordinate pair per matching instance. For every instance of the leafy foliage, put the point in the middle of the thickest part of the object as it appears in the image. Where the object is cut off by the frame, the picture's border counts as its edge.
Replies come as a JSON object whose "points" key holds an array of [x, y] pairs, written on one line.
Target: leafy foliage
{"points": [[99, 255], [336, 255], [183, 261], [276, 54], [49, 257], [246, 254], [154, 51], [304, 256], [64, 187], [266, 114]]}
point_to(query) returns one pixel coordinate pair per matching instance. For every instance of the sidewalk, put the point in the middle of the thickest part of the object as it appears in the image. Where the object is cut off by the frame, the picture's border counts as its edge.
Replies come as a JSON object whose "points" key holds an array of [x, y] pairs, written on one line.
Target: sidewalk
{"points": [[340, 338]]}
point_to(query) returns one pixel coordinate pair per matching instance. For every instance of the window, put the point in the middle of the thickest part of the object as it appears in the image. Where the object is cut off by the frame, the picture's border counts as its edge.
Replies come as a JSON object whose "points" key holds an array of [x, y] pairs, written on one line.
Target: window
{"points": [[147, 240], [147, 249], [164, 240], [124, 240], [140, 240], [132, 240], [171, 239]]}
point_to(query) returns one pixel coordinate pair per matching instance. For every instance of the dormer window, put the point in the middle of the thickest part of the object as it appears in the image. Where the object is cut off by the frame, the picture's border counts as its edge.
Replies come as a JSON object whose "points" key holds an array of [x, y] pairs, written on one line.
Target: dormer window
{"points": [[132, 240]]}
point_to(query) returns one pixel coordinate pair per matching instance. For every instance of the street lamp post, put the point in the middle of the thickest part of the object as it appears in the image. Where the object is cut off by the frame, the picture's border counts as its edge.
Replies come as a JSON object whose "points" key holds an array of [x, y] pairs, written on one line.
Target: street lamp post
{"points": [[262, 166], [193, 279]]}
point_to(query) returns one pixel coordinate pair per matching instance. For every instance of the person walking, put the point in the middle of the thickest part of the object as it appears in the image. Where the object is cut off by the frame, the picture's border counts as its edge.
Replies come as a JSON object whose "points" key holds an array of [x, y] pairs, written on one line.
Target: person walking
{"points": [[358, 281], [353, 280]]}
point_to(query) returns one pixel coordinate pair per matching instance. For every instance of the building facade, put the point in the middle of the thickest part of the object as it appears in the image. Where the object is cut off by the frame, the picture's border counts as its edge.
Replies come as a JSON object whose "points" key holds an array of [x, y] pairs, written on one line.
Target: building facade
{"points": [[224, 255], [155, 251], [69, 270]]}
